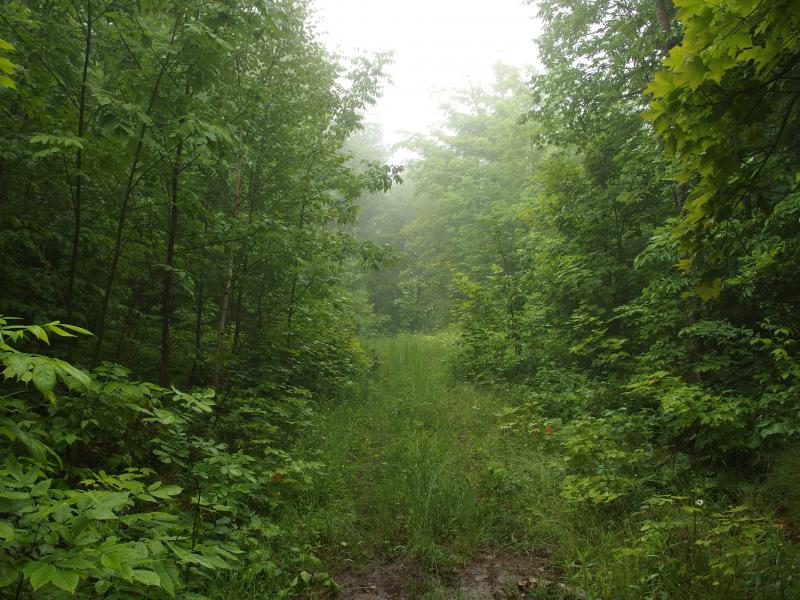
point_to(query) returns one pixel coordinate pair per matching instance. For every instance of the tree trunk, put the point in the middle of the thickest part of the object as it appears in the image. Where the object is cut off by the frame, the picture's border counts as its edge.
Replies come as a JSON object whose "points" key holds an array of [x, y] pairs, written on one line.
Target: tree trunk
{"points": [[123, 210], [663, 13], [226, 295], [295, 276], [198, 331], [166, 294], [300, 225], [76, 201], [237, 329]]}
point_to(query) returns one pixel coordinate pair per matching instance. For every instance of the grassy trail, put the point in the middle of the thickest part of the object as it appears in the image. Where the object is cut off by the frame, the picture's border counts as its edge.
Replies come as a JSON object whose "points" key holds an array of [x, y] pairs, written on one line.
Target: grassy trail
{"points": [[423, 496]]}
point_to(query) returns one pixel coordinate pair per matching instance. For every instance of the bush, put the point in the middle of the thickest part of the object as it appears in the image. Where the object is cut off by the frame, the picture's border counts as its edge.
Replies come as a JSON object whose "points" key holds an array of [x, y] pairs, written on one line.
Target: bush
{"points": [[123, 488]]}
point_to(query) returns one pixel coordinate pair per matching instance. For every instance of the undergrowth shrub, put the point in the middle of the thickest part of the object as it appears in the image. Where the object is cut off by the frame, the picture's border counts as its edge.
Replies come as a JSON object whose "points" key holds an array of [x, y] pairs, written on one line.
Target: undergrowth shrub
{"points": [[688, 548], [647, 456], [115, 487]]}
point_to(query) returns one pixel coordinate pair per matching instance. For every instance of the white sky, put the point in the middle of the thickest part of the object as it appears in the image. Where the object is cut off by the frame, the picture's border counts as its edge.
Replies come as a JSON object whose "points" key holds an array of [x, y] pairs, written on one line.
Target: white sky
{"points": [[438, 45]]}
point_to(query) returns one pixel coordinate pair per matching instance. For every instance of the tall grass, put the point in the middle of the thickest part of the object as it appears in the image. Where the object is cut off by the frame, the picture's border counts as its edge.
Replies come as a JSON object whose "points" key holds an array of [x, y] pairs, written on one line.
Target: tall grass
{"points": [[404, 460], [419, 472]]}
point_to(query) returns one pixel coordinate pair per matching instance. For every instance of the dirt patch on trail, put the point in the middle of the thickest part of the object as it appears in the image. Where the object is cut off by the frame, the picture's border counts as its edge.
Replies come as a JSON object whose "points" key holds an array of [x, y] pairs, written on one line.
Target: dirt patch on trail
{"points": [[492, 576], [381, 580], [489, 576]]}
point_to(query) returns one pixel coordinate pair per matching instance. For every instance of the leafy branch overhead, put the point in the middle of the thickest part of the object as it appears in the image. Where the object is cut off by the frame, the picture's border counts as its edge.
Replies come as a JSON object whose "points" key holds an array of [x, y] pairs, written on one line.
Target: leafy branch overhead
{"points": [[724, 105]]}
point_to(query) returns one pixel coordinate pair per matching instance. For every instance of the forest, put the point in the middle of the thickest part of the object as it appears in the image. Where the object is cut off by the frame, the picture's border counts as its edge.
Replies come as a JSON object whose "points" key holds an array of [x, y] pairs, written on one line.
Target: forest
{"points": [[249, 353]]}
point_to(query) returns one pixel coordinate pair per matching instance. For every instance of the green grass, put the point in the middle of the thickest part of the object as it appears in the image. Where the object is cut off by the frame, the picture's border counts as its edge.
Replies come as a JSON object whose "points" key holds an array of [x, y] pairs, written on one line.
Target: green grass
{"points": [[416, 465], [419, 472]]}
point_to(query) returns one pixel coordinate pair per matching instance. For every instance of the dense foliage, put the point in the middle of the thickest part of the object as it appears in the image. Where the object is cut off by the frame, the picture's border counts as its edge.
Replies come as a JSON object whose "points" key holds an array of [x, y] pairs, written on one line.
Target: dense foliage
{"points": [[613, 243], [172, 179], [617, 245]]}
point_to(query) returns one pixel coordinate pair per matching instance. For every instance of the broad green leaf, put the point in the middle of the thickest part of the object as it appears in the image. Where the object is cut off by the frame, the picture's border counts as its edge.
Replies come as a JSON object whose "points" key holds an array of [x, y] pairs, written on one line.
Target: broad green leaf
{"points": [[58, 331], [75, 563], [6, 65], [41, 574], [166, 491], [774, 429], [39, 333], [76, 329], [41, 487], [168, 576], [66, 580], [112, 500], [110, 560], [192, 557], [80, 376], [146, 577], [18, 364], [7, 531], [709, 290], [44, 378]]}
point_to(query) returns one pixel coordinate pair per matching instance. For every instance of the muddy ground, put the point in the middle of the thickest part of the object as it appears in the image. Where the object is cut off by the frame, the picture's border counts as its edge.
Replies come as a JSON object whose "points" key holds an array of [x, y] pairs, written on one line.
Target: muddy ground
{"points": [[490, 576]]}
